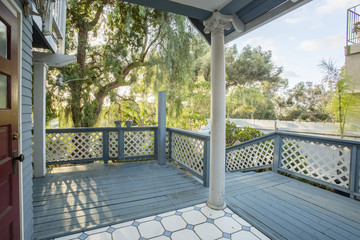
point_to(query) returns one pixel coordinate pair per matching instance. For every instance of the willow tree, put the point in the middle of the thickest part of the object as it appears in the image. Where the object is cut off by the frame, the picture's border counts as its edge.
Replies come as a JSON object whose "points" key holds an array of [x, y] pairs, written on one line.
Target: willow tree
{"points": [[114, 41]]}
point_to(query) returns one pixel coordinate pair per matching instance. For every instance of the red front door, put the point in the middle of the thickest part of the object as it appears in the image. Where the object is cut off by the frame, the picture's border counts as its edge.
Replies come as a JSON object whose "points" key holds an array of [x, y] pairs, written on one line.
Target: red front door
{"points": [[9, 100]]}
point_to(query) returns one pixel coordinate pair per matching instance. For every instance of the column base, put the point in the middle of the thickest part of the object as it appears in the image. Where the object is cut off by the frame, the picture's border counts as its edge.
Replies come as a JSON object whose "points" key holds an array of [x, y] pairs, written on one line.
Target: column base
{"points": [[215, 207], [161, 163]]}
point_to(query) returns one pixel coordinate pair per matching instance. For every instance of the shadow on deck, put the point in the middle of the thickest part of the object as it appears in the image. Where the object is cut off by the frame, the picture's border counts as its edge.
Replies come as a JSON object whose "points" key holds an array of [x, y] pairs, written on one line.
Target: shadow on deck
{"points": [[72, 199]]}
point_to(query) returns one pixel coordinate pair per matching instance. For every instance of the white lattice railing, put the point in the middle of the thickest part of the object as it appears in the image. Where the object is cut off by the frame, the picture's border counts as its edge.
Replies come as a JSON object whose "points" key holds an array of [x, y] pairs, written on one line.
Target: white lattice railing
{"points": [[136, 143], [92, 144], [251, 155], [190, 150], [73, 146], [331, 162]]}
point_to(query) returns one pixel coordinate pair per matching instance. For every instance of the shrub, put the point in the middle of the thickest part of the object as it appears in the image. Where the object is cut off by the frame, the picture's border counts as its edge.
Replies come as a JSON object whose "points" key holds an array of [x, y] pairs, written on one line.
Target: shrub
{"points": [[235, 134]]}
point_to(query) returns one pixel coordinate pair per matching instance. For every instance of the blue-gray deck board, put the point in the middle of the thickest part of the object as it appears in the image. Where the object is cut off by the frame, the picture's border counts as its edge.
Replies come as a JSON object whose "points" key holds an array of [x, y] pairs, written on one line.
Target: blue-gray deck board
{"points": [[296, 210], [98, 195], [71, 201]]}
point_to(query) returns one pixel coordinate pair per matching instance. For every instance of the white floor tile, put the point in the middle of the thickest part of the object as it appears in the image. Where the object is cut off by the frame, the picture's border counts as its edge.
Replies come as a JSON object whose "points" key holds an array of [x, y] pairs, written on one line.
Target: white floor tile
{"points": [[259, 234], [128, 233], [240, 220], [151, 229], [185, 234], [186, 209], [160, 238], [145, 219], [227, 225], [194, 217], [98, 230], [167, 214], [124, 224], [100, 236], [173, 223], [228, 210], [201, 205], [72, 236], [211, 213], [207, 231], [243, 235]]}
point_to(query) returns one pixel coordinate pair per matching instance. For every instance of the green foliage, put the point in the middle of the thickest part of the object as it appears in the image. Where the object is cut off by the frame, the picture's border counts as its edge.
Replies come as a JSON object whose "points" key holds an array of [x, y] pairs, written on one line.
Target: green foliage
{"points": [[126, 46], [249, 103], [252, 67], [235, 134], [304, 102], [118, 44], [252, 80], [344, 103]]}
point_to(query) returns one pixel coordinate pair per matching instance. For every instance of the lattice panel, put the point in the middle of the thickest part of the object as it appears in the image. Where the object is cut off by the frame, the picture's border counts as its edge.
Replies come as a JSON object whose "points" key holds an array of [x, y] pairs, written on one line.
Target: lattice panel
{"points": [[167, 144], [138, 143], [71, 146], [188, 151], [327, 162], [113, 144], [255, 155], [358, 174]]}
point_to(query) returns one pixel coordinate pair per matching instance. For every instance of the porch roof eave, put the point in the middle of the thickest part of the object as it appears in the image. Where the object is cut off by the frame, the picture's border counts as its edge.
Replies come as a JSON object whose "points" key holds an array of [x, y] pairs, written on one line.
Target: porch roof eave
{"points": [[251, 14]]}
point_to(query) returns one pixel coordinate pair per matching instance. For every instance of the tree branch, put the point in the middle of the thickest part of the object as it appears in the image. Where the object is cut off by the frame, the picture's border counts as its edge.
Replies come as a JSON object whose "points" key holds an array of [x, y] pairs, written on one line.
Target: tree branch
{"points": [[149, 46], [98, 13]]}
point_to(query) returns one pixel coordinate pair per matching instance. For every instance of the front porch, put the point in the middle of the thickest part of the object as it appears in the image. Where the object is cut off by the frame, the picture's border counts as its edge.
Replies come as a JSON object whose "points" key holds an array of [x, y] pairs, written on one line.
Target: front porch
{"points": [[80, 198], [84, 197]]}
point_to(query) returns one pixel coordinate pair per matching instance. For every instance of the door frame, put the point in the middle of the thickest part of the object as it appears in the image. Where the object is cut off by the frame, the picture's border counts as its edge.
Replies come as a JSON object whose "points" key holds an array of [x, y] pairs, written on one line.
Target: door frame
{"points": [[17, 12]]}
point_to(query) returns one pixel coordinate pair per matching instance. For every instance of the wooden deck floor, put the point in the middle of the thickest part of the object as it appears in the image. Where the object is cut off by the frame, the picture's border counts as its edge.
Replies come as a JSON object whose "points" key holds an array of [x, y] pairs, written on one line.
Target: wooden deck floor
{"points": [[284, 208], [74, 199]]}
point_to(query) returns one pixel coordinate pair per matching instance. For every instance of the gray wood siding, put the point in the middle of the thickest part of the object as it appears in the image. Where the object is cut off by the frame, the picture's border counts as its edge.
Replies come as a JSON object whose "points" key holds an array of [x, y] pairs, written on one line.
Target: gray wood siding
{"points": [[26, 100]]}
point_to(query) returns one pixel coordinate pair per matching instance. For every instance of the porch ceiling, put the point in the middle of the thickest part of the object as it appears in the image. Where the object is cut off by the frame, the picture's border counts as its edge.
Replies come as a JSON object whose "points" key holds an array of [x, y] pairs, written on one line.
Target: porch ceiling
{"points": [[252, 13]]}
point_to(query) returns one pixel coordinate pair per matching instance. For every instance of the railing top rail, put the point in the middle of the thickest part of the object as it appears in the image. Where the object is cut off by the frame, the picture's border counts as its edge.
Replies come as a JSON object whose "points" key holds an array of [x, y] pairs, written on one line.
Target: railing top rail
{"points": [[320, 139], [353, 11], [354, 8], [188, 133], [297, 136], [99, 129], [252, 141]]}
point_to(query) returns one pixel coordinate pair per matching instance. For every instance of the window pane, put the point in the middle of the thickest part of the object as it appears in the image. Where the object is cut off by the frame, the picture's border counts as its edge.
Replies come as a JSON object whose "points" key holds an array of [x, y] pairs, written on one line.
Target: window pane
{"points": [[3, 40], [3, 91]]}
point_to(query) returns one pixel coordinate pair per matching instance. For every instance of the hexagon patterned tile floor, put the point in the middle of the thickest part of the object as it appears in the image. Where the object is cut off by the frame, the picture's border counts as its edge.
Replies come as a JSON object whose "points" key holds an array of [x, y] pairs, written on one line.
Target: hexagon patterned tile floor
{"points": [[196, 222]]}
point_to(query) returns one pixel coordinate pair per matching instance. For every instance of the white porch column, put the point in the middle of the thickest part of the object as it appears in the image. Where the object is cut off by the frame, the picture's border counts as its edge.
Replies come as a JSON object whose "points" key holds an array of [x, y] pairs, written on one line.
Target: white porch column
{"points": [[39, 118], [216, 25], [41, 63]]}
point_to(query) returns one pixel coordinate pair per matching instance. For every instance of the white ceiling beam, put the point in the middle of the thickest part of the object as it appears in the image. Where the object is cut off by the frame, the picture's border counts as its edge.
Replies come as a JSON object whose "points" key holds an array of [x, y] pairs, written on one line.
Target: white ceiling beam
{"points": [[267, 17], [53, 59]]}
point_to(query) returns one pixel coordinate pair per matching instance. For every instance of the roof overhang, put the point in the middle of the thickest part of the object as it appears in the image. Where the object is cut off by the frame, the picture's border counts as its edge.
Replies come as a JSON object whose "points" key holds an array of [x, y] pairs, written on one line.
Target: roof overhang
{"points": [[251, 14], [53, 59]]}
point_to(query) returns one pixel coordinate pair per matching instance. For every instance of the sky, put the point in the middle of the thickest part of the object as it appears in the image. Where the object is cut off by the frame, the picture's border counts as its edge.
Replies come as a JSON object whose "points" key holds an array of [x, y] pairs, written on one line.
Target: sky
{"points": [[302, 38]]}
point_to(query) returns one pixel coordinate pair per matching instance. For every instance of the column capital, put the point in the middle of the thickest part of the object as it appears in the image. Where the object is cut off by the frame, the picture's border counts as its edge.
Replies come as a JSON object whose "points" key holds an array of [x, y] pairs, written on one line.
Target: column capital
{"points": [[217, 23]]}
